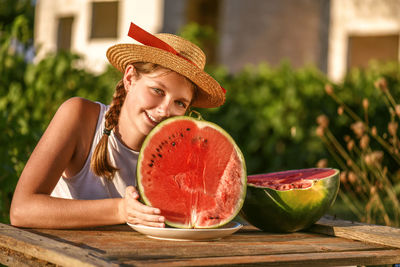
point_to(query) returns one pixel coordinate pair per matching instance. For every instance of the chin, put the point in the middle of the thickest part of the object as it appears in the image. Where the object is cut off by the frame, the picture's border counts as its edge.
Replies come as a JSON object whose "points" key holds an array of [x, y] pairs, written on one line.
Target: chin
{"points": [[147, 129]]}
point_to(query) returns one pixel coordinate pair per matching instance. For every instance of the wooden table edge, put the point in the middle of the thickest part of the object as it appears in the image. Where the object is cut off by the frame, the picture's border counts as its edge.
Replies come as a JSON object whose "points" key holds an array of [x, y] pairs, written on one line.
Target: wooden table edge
{"points": [[47, 249], [369, 233]]}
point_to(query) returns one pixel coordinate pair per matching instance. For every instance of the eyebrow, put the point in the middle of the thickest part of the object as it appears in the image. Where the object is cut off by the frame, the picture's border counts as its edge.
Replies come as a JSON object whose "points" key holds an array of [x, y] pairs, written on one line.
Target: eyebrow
{"points": [[184, 100], [159, 83]]}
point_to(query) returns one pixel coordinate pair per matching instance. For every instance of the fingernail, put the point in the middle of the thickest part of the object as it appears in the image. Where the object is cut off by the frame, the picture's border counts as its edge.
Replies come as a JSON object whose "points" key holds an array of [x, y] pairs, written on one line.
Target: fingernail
{"points": [[161, 219], [135, 195], [157, 211], [162, 225]]}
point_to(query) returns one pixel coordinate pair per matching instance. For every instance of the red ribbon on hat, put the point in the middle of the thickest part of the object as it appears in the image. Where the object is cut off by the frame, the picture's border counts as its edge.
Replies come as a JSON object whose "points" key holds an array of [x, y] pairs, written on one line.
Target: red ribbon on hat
{"points": [[149, 39]]}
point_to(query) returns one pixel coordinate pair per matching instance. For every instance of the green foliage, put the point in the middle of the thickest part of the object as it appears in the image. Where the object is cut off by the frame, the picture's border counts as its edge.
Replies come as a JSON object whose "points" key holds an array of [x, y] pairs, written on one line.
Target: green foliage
{"points": [[30, 95], [28, 100], [13, 13], [198, 34], [271, 114]]}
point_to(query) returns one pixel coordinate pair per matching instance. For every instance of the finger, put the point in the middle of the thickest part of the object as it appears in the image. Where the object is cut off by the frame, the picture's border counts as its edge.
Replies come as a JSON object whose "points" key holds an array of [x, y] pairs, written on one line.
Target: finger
{"points": [[137, 220], [141, 222], [145, 217], [144, 208], [131, 192]]}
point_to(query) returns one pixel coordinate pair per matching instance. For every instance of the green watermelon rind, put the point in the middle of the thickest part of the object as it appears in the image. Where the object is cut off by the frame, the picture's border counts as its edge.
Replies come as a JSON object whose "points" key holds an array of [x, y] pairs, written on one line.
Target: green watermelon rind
{"points": [[272, 210], [146, 201]]}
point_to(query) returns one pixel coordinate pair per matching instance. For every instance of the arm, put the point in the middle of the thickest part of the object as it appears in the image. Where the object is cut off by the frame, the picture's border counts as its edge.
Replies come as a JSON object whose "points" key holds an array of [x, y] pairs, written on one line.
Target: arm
{"points": [[64, 147]]}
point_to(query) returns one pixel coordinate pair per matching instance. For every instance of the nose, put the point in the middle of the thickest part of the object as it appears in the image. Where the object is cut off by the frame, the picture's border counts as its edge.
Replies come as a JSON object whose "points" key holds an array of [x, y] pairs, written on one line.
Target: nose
{"points": [[164, 109]]}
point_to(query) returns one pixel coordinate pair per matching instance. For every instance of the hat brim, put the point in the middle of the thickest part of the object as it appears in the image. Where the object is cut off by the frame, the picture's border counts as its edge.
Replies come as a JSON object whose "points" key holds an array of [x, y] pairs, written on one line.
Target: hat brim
{"points": [[210, 93]]}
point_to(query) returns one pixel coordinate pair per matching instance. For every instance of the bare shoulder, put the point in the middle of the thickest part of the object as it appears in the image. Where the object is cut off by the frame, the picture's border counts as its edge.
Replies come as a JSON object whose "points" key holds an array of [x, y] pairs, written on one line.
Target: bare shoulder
{"points": [[77, 112], [74, 121], [70, 134], [78, 105], [79, 115]]}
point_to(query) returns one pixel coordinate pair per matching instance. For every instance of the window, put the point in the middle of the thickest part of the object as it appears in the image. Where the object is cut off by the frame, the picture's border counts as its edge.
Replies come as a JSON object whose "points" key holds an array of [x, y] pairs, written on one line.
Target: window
{"points": [[362, 49], [206, 13], [104, 20], [64, 33]]}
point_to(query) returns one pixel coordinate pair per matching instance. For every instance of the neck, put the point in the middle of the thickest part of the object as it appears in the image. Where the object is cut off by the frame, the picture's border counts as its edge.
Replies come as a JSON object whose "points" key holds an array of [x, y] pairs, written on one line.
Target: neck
{"points": [[129, 136], [132, 143]]}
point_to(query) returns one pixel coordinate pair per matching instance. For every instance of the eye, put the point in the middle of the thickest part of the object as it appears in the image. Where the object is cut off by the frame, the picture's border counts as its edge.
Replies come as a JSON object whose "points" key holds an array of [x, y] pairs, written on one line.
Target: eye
{"points": [[158, 91], [181, 104]]}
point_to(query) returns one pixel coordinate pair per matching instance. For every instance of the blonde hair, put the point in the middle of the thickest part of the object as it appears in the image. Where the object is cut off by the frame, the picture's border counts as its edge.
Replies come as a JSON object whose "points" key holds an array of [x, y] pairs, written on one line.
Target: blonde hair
{"points": [[100, 163]]}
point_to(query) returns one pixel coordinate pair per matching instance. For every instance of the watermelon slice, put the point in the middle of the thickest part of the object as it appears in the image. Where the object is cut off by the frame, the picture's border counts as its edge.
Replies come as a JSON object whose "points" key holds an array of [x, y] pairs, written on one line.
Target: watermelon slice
{"points": [[193, 171], [289, 201]]}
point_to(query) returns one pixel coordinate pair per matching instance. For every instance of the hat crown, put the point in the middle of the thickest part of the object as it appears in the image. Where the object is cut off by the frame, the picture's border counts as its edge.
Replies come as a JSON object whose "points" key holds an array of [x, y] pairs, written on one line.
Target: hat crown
{"points": [[185, 48]]}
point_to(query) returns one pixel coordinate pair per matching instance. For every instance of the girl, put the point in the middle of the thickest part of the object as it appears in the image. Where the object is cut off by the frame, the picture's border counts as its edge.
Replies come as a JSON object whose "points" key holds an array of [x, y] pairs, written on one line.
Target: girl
{"points": [[82, 172]]}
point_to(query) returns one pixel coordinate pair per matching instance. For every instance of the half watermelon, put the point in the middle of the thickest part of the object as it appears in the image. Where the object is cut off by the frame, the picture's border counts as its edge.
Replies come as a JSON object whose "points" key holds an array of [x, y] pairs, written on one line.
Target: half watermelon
{"points": [[193, 171], [289, 201]]}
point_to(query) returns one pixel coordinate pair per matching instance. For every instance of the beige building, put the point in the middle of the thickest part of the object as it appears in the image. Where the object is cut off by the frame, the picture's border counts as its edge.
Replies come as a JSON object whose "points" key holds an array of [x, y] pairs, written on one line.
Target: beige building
{"points": [[89, 27], [334, 35], [361, 30]]}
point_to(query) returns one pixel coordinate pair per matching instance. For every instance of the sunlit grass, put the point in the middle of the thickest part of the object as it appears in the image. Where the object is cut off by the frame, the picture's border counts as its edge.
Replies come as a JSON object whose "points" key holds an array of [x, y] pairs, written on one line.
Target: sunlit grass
{"points": [[370, 177]]}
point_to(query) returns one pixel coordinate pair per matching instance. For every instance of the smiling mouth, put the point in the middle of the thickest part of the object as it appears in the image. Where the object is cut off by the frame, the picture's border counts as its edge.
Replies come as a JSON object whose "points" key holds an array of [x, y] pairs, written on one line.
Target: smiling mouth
{"points": [[152, 119]]}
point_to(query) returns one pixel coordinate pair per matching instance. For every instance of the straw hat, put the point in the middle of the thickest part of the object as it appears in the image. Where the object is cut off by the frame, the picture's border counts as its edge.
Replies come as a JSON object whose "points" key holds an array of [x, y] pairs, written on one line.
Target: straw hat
{"points": [[172, 52]]}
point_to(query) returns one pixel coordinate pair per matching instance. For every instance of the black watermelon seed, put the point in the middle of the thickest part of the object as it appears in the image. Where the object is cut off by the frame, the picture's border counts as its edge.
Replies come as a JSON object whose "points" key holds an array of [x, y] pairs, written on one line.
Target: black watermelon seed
{"points": [[205, 140], [158, 150], [181, 135], [187, 129], [173, 143], [153, 155], [159, 155], [151, 165]]}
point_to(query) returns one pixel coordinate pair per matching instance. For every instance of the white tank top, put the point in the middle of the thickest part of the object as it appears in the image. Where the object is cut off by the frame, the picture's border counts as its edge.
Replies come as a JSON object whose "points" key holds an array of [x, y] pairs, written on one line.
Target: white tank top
{"points": [[87, 185]]}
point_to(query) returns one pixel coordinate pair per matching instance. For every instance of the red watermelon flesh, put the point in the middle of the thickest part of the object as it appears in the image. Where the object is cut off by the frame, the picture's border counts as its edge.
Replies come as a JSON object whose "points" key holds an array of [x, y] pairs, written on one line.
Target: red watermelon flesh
{"points": [[193, 172], [288, 180]]}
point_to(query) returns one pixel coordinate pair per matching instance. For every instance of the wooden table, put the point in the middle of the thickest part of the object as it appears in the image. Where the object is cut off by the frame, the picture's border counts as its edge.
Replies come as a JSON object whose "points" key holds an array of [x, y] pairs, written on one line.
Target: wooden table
{"points": [[328, 243]]}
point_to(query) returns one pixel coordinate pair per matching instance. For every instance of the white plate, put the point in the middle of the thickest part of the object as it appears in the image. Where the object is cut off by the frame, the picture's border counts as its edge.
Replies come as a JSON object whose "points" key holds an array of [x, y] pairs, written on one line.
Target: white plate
{"points": [[178, 234]]}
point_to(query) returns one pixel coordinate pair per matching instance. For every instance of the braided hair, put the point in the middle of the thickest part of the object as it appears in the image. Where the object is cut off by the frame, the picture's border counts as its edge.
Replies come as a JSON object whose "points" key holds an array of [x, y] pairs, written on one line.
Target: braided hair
{"points": [[100, 163]]}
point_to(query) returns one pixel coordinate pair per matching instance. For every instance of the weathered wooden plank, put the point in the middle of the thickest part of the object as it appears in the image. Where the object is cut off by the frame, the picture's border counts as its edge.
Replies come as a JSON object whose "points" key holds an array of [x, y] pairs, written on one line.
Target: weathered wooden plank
{"points": [[377, 234], [308, 259], [226, 251], [109, 245], [48, 249], [9, 257], [133, 245]]}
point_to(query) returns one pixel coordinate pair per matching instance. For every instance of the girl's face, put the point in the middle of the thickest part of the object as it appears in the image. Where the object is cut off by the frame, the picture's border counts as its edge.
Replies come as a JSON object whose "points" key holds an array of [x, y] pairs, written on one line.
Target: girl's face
{"points": [[150, 99]]}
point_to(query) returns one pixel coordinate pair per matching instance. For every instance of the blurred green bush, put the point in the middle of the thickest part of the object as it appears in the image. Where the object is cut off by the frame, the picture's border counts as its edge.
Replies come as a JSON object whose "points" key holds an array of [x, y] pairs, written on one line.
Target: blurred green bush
{"points": [[271, 113], [30, 95]]}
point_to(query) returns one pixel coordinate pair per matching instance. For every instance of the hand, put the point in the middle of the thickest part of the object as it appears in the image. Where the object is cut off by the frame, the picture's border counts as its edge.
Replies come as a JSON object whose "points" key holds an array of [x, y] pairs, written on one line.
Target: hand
{"points": [[132, 211]]}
